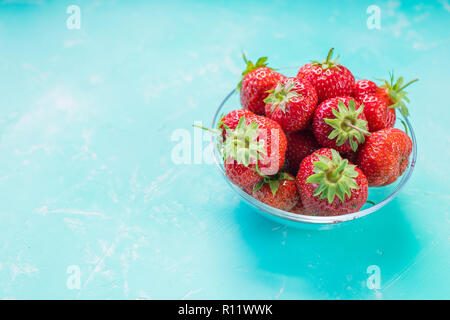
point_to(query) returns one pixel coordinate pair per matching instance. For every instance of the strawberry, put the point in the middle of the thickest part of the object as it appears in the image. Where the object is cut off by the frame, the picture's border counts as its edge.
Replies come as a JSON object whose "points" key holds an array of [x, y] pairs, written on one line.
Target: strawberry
{"points": [[339, 123], [240, 174], [385, 156], [381, 101], [329, 78], [254, 148], [256, 80], [299, 209], [275, 143], [291, 103], [329, 185], [350, 156], [278, 191], [300, 144]]}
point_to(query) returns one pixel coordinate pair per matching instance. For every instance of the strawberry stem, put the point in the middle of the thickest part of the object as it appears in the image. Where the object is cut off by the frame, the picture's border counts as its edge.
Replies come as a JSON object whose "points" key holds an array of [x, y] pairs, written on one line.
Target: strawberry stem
{"points": [[330, 54], [349, 124], [281, 95], [205, 128], [327, 63], [333, 176], [259, 171], [245, 58], [412, 81], [336, 173]]}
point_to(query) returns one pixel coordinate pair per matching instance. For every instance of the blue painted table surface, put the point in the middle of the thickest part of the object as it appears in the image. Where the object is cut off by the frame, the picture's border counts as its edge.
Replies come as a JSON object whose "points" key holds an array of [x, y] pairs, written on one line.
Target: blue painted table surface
{"points": [[89, 187]]}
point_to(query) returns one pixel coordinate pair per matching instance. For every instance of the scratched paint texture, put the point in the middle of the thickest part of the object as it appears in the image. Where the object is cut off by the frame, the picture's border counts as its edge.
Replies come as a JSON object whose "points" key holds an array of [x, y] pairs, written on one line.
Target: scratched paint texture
{"points": [[87, 180]]}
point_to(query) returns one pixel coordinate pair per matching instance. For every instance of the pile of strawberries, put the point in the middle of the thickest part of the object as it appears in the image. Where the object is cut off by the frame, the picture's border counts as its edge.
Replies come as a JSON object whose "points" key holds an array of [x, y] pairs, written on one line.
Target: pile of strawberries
{"points": [[314, 143]]}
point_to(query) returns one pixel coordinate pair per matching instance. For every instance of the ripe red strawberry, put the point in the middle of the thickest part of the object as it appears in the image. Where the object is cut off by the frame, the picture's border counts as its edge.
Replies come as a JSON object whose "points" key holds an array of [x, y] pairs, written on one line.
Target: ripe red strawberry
{"points": [[339, 123], [351, 156], [380, 102], [256, 80], [241, 174], [275, 144], [299, 209], [300, 144], [255, 147], [329, 78], [291, 103], [384, 156], [278, 191], [329, 185]]}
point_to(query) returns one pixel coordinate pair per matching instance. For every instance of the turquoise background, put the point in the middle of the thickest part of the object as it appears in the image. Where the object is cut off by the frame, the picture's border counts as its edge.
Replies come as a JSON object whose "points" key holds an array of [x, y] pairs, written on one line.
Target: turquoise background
{"points": [[87, 179]]}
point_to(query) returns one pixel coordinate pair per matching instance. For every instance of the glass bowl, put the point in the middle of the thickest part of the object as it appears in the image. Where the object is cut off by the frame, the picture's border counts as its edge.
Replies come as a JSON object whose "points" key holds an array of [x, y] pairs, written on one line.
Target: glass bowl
{"points": [[380, 195]]}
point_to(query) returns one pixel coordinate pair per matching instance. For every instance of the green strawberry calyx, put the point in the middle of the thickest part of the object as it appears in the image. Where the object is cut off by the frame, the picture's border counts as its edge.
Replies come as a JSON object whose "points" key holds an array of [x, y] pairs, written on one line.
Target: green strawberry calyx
{"points": [[334, 177], [273, 182], [328, 63], [395, 89], [242, 143], [347, 126], [260, 63], [279, 96], [221, 122]]}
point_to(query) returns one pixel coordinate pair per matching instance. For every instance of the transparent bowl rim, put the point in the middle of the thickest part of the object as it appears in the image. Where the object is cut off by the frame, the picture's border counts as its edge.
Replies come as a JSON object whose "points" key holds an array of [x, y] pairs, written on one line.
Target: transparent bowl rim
{"points": [[305, 218]]}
